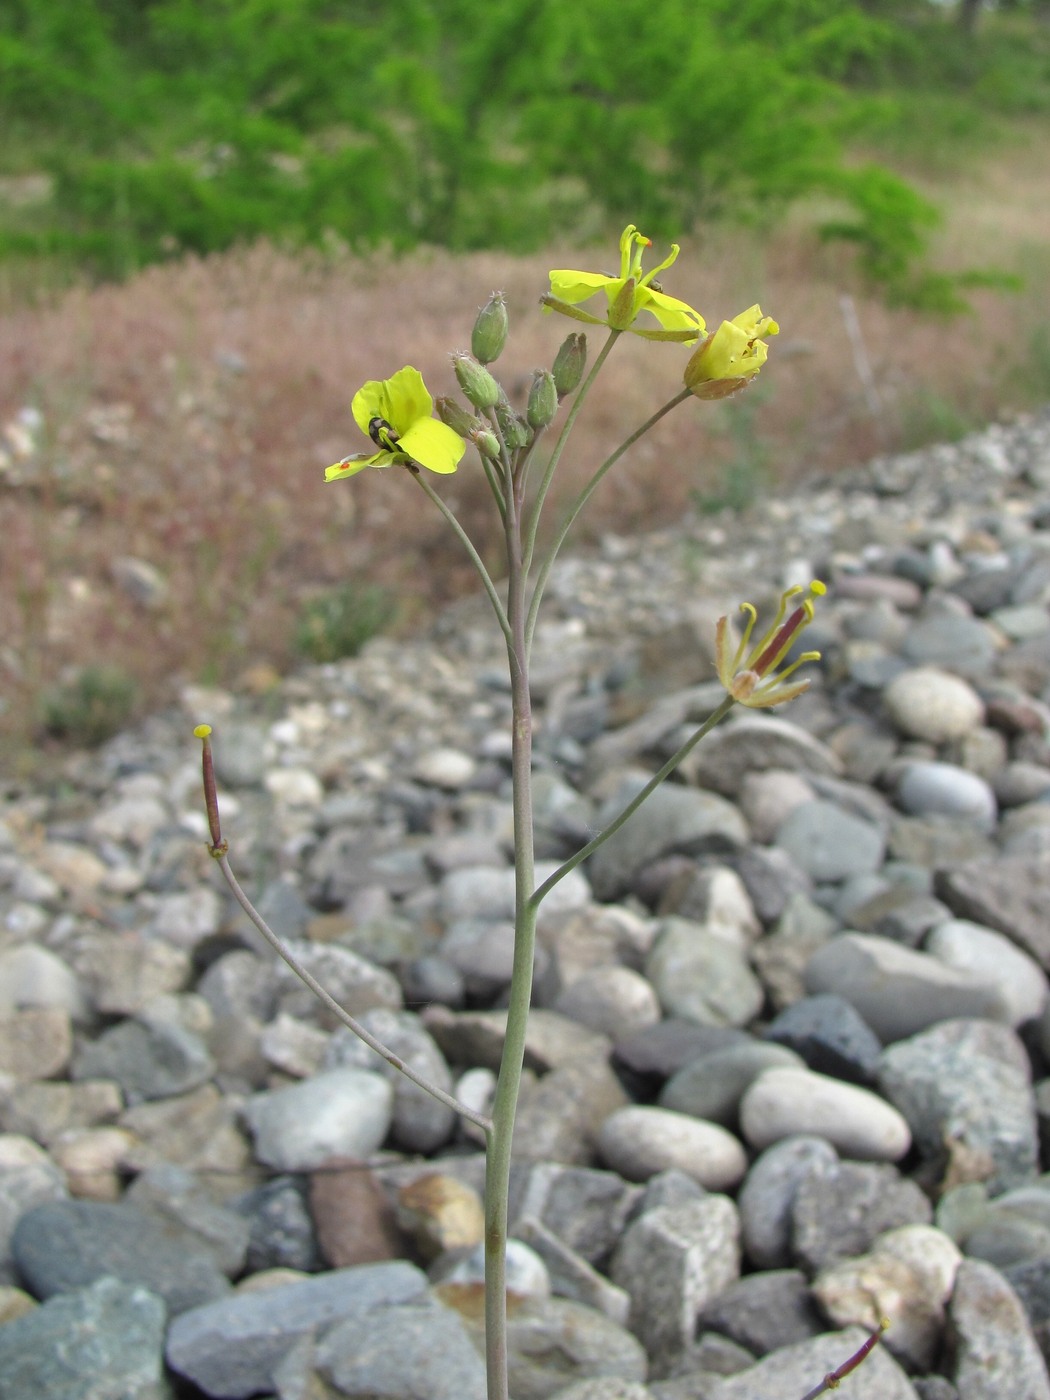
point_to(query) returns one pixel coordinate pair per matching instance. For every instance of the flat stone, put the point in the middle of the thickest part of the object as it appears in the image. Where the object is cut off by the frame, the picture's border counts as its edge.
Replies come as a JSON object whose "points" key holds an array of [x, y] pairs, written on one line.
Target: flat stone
{"points": [[148, 1059], [962, 645], [28, 1178], [674, 820], [897, 990], [65, 1245], [91, 1344], [1010, 894], [401, 1351], [829, 843], [231, 1348], [754, 743], [785, 1102]]}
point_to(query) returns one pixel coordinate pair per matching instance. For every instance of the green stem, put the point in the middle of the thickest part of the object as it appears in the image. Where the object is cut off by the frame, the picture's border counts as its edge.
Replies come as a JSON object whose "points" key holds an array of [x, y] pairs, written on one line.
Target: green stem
{"points": [[559, 447], [475, 557], [654, 782], [333, 1006], [501, 1135], [581, 501]]}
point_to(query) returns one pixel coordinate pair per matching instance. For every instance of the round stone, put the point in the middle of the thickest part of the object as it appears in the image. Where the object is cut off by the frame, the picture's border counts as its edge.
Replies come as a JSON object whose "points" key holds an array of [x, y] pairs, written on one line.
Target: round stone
{"points": [[856, 1122], [930, 704], [341, 1113], [990, 955], [945, 790], [639, 1141], [616, 1001]]}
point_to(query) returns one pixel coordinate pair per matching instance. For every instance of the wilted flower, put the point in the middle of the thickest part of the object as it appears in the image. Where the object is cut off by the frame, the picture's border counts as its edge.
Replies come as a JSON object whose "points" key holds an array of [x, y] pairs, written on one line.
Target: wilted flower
{"points": [[749, 672], [396, 414], [628, 295], [730, 358]]}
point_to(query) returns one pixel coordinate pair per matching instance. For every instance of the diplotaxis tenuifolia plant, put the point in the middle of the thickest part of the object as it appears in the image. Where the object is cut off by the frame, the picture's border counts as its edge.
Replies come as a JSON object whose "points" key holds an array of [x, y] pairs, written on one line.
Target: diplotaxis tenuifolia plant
{"points": [[396, 416]]}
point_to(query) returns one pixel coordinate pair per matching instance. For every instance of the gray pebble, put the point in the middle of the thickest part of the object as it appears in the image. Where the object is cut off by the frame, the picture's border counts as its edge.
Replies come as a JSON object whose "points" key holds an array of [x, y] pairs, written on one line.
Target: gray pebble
{"points": [[339, 1113]]}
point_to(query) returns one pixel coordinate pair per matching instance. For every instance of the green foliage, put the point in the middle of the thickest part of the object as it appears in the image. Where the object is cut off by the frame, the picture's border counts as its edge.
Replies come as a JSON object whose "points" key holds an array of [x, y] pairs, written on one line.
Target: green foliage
{"points": [[171, 125], [926, 416], [96, 703], [339, 623]]}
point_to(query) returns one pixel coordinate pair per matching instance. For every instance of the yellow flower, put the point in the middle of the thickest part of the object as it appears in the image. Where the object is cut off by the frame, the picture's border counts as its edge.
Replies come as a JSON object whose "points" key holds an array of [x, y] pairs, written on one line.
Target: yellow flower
{"points": [[749, 673], [396, 415], [729, 359], [628, 295]]}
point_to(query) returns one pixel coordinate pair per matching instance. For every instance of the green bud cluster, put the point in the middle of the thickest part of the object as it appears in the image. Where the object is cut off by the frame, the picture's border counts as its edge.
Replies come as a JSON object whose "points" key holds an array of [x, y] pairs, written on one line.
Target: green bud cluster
{"points": [[516, 432]]}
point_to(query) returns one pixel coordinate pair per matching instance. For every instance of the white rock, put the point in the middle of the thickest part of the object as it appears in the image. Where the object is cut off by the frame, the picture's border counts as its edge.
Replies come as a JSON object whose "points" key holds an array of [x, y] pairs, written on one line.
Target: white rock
{"points": [[971, 947], [615, 1001], [294, 787], [32, 976], [855, 1121], [931, 704], [446, 768], [639, 1141], [340, 1113]]}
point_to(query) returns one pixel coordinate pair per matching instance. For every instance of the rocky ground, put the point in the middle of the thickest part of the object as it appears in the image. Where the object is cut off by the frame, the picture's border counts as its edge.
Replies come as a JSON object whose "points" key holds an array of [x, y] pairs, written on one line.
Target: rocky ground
{"points": [[789, 1068]]}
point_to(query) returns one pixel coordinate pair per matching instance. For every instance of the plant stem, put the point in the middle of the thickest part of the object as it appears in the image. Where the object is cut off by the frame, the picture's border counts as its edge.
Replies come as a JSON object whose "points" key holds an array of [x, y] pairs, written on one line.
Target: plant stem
{"points": [[583, 498], [333, 1006], [654, 782], [501, 1134]]}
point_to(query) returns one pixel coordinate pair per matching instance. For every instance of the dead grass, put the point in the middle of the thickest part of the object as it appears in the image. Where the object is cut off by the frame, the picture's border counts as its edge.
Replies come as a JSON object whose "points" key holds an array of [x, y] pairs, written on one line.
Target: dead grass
{"points": [[188, 415]]}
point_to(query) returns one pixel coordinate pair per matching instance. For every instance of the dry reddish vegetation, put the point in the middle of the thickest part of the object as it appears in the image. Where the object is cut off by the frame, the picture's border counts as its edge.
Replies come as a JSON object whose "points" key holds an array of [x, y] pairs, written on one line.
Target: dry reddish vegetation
{"points": [[188, 415]]}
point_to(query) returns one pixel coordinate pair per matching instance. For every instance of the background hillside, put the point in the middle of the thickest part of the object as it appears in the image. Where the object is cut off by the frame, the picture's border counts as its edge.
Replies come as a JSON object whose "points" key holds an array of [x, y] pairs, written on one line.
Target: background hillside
{"points": [[217, 220]]}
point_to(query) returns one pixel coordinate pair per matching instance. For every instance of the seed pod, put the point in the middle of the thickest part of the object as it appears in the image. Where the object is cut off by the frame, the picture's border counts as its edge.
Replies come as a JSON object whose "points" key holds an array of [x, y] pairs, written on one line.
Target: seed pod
{"points": [[489, 335], [569, 363], [543, 400]]}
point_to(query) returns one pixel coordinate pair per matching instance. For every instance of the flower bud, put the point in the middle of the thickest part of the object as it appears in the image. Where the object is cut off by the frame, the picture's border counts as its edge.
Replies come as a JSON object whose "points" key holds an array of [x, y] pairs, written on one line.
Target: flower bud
{"points": [[489, 335], [516, 432], [455, 416], [569, 363], [623, 310], [487, 443], [475, 381], [543, 400]]}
